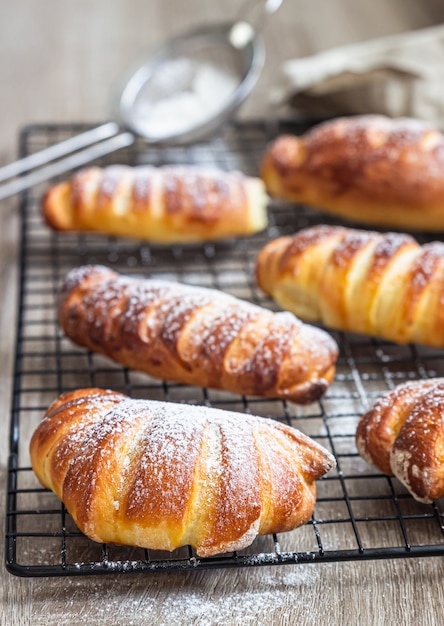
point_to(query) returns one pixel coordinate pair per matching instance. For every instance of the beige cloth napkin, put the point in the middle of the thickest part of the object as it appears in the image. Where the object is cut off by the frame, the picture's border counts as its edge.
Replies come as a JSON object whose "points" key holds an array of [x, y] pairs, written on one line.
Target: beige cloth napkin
{"points": [[400, 75]]}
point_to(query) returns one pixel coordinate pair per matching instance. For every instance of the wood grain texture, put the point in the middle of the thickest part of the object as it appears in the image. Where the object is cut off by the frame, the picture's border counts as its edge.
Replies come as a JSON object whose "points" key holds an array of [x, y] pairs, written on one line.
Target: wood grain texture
{"points": [[60, 62]]}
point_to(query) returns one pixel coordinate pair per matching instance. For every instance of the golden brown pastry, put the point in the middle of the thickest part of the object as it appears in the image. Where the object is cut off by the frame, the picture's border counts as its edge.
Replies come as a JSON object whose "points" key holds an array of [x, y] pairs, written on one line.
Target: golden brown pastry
{"points": [[161, 475], [381, 284], [403, 434], [195, 335], [369, 169], [162, 205]]}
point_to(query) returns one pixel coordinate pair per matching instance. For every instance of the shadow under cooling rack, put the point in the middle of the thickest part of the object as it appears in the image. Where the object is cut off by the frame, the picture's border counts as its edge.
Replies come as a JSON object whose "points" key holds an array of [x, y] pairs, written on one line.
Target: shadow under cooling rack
{"points": [[359, 514]]}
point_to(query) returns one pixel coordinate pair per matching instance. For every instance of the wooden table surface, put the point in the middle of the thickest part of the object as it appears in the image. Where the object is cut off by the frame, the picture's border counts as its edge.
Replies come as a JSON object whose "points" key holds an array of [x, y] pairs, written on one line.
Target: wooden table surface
{"points": [[59, 61]]}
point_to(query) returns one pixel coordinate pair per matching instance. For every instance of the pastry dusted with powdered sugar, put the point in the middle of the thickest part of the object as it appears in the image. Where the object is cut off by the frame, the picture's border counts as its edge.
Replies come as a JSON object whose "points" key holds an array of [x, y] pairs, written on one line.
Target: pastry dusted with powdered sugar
{"points": [[369, 169], [195, 335], [161, 475], [381, 284], [169, 204], [403, 435]]}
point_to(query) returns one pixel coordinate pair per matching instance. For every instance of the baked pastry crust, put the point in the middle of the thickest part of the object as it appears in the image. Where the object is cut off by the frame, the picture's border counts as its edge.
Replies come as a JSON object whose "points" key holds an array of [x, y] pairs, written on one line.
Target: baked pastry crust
{"points": [[369, 169], [196, 336], [170, 204], [403, 434], [381, 284], [161, 475]]}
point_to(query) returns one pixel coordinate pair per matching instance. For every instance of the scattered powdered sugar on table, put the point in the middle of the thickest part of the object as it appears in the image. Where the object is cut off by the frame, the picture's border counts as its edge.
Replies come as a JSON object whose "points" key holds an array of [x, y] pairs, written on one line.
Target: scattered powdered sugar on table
{"points": [[197, 599], [240, 607]]}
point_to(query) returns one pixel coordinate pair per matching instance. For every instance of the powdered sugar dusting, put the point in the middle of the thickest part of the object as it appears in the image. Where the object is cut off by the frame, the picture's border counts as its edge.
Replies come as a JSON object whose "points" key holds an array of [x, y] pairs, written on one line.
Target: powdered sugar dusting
{"points": [[142, 181], [255, 602], [170, 440], [243, 597], [389, 244], [426, 264], [200, 185], [80, 275], [112, 177], [212, 332]]}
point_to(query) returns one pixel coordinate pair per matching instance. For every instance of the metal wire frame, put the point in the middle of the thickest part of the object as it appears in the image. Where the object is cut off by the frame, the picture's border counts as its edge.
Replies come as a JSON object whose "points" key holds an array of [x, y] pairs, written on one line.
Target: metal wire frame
{"points": [[360, 514]]}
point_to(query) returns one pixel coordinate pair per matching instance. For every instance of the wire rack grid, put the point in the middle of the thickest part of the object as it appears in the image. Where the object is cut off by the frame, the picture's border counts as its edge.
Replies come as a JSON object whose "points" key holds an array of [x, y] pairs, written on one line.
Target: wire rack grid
{"points": [[359, 514]]}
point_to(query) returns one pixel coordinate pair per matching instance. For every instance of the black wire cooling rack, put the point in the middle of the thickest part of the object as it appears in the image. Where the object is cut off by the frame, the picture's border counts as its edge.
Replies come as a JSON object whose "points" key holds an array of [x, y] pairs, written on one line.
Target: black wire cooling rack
{"points": [[360, 513]]}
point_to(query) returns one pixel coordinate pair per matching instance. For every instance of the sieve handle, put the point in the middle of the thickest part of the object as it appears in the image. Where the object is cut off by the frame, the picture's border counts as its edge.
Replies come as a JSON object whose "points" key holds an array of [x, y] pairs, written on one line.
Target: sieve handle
{"points": [[44, 165]]}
